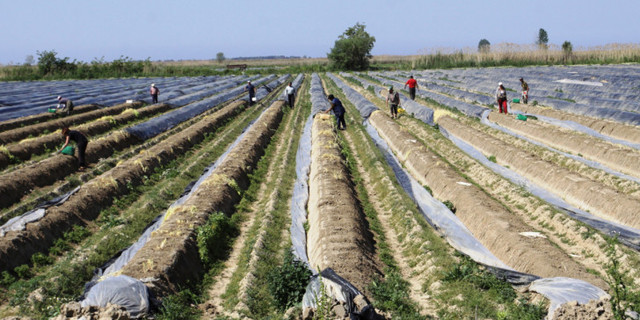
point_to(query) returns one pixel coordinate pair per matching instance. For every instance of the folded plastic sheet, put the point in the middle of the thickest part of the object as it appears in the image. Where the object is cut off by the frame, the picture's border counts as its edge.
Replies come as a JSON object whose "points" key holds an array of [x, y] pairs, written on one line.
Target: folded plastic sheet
{"points": [[19, 223], [157, 125], [135, 298], [338, 288]]}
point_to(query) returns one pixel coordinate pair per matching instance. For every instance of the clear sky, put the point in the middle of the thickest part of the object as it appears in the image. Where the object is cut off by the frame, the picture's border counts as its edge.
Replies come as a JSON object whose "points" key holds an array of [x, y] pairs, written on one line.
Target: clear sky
{"points": [[198, 29]]}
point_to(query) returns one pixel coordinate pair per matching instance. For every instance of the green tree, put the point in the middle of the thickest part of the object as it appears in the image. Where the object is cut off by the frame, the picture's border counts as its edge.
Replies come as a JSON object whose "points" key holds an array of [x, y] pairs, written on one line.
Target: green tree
{"points": [[49, 63], [484, 46], [352, 50], [29, 60], [567, 49], [220, 57], [543, 39]]}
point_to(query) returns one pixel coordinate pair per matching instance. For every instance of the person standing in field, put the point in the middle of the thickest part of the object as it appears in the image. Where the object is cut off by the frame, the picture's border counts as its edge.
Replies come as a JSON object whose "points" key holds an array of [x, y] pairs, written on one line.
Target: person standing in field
{"points": [[252, 92], [64, 103], [338, 111], [525, 91], [81, 144], [413, 85], [501, 98], [290, 91], [154, 91], [394, 98]]}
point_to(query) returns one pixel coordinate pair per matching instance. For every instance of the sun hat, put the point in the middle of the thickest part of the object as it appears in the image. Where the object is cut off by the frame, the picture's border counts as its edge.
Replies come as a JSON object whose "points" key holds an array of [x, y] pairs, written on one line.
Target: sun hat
{"points": [[59, 97], [153, 84], [499, 83]]}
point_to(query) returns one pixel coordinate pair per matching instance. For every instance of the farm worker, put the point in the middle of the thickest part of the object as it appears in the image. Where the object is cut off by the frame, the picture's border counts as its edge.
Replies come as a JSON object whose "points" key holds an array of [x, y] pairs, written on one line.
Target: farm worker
{"points": [[252, 92], [501, 98], [338, 111], [154, 93], [413, 84], [65, 104], [290, 91], [394, 98], [525, 91], [81, 143]]}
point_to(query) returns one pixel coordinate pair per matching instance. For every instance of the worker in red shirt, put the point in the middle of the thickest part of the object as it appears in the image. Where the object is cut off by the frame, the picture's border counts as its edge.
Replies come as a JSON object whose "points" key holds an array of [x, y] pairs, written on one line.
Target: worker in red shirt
{"points": [[413, 84]]}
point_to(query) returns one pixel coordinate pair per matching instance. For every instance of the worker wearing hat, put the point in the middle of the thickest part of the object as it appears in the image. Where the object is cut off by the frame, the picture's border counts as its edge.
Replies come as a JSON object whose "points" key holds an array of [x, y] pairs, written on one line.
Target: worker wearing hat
{"points": [[154, 91], [64, 103], [393, 100]]}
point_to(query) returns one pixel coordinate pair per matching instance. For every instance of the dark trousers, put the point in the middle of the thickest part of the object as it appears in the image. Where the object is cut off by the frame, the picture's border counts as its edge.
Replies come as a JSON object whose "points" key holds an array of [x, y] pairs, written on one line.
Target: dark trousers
{"points": [[340, 120], [82, 147], [154, 98], [412, 93], [394, 109], [292, 99]]}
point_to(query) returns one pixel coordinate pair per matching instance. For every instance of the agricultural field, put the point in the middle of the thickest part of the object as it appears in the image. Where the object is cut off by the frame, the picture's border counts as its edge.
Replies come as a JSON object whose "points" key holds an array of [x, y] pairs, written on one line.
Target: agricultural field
{"points": [[208, 205]]}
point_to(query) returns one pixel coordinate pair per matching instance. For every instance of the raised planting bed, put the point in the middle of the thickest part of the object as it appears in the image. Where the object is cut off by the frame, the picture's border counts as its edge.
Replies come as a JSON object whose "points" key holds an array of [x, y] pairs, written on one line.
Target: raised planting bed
{"points": [[17, 247]]}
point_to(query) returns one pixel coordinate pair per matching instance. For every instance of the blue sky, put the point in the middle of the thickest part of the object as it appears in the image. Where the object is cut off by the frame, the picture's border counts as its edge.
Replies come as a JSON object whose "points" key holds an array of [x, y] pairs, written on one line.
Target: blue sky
{"points": [[162, 30]]}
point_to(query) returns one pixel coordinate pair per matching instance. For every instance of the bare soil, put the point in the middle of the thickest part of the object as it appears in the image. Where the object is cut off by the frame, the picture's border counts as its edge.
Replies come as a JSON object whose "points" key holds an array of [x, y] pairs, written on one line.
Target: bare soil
{"points": [[338, 235]]}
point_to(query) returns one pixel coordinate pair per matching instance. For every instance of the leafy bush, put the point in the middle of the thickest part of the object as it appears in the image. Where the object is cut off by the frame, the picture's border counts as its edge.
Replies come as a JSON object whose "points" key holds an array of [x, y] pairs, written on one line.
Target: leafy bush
{"points": [[77, 234], [392, 294], [23, 271], [450, 205], [179, 306], [213, 237], [492, 159], [624, 295], [469, 271], [7, 279], [287, 283], [41, 259]]}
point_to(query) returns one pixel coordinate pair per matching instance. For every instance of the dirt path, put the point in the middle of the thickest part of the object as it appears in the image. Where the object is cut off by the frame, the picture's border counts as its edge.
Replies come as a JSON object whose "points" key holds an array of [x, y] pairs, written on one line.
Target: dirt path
{"points": [[384, 195]]}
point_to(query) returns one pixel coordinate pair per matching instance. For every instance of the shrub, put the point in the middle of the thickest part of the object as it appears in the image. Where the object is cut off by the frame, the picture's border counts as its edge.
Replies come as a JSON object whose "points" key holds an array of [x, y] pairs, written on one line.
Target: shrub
{"points": [[41, 259], [492, 159], [213, 237], [450, 205], [624, 295], [23, 271], [7, 279], [287, 283], [77, 234], [178, 306], [392, 294]]}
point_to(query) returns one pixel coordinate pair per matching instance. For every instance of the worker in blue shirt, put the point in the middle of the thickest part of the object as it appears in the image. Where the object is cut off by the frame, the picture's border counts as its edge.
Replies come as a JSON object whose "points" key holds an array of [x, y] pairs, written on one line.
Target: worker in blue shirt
{"points": [[338, 111]]}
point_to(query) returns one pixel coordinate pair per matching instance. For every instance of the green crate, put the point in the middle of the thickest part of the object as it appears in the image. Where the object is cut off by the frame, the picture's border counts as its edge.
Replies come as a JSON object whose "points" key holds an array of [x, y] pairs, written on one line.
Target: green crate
{"points": [[52, 110], [68, 150], [516, 100]]}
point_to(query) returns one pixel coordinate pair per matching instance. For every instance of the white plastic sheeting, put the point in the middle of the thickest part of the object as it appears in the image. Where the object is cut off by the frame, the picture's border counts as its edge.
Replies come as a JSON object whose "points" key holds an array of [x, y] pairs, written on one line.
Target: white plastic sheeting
{"points": [[460, 238], [121, 290], [300, 195], [19, 223], [627, 235]]}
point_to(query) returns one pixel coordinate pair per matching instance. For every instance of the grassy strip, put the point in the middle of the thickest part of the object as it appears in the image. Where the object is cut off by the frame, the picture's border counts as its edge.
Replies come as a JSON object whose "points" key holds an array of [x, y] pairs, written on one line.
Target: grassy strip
{"points": [[126, 219], [268, 226], [463, 296]]}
